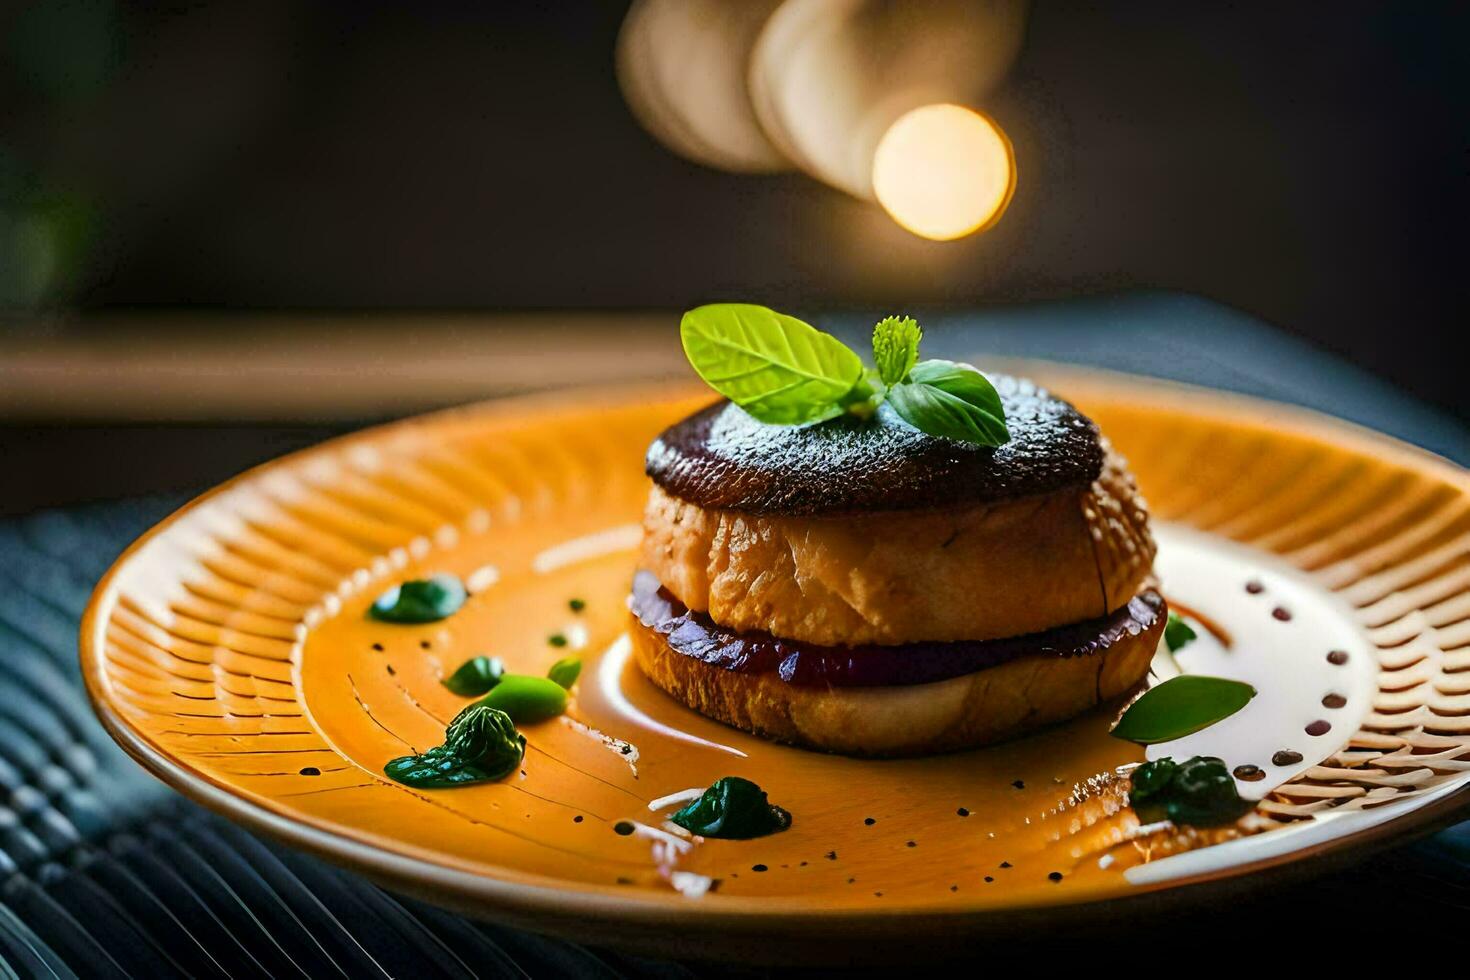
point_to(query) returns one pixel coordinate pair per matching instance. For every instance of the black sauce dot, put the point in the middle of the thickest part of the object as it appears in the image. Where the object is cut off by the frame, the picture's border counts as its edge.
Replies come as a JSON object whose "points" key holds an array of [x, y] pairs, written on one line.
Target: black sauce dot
{"points": [[1281, 613], [831, 855], [802, 865], [1254, 587], [623, 828], [625, 881], [1249, 773], [424, 644], [877, 894], [851, 881], [391, 671], [1337, 658], [1005, 864], [869, 821], [963, 812], [1054, 876], [1019, 784], [1286, 757], [758, 867], [577, 818], [378, 647], [989, 879], [310, 771], [913, 843], [1334, 701], [1318, 727], [954, 888]]}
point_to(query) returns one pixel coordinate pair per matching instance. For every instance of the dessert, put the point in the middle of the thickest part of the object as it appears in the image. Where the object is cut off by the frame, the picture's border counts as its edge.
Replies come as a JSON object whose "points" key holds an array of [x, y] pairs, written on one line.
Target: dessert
{"points": [[855, 584]]}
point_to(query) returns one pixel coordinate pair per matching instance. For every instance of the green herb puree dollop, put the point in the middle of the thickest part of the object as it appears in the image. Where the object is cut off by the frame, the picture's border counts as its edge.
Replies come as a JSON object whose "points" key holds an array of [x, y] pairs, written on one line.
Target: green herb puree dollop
{"points": [[733, 809]]}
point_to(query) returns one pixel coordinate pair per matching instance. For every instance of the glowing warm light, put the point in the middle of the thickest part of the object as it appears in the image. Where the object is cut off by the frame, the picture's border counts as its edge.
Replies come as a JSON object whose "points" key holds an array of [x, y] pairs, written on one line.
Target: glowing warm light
{"points": [[944, 171]]}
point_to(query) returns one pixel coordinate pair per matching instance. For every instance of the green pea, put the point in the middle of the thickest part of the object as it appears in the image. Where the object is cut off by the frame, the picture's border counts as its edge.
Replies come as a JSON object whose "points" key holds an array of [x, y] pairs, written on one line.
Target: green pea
{"points": [[475, 676], [527, 699], [565, 671], [420, 600]]}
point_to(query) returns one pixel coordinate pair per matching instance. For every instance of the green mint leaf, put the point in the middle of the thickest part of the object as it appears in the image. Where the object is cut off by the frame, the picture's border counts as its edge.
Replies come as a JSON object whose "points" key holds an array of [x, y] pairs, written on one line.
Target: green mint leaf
{"points": [[776, 367], [953, 400], [895, 347], [1181, 706], [1178, 633], [1198, 792]]}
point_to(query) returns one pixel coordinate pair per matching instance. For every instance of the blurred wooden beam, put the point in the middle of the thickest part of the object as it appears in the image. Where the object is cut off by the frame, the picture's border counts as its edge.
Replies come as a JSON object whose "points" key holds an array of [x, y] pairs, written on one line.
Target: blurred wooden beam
{"points": [[272, 367]]}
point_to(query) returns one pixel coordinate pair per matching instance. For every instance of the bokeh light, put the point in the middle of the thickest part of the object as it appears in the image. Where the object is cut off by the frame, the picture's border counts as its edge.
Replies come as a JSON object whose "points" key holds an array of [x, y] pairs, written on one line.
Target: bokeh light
{"points": [[944, 171]]}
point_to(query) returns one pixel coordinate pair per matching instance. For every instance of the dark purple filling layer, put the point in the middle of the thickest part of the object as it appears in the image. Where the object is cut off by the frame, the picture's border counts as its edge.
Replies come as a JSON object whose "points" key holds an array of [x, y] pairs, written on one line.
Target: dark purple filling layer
{"points": [[695, 635]]}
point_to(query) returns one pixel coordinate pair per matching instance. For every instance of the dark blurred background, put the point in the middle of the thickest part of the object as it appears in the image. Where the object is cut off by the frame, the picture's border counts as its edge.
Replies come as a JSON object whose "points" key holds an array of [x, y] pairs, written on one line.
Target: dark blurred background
{"points": [[1304, 163]]}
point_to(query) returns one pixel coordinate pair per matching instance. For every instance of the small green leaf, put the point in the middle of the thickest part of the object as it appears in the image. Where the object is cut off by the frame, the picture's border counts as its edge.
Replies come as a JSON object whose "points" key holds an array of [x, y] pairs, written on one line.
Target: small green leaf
{"points": [[1178, 633], [1198, 792], [1180, 706], [733, 809], [420, 600], [480, 744], [475, 676], [895, 348], [953, 400], [527, 699], [557, 639], [774, 366], [565, 671]]}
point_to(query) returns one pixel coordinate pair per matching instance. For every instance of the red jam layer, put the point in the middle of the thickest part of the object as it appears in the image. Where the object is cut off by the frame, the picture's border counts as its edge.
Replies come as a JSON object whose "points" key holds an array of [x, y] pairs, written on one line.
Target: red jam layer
{"points": [[694, 634]]}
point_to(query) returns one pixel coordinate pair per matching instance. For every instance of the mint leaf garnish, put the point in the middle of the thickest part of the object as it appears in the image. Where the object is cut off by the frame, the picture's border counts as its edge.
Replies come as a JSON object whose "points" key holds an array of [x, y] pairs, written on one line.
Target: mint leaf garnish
{"points": [[786, 372], [774, 366], [1181, 706], [895, 348], [953, 400]]}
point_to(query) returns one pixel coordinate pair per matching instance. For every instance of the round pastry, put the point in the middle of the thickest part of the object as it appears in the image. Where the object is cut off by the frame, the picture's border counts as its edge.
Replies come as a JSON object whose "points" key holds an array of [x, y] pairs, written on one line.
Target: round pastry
{"points": [[863, 587]]}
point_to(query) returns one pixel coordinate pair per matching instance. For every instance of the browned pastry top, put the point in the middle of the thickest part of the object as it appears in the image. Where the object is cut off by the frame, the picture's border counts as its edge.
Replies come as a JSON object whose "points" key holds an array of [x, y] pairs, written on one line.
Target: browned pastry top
{"points": [[720, 457]]}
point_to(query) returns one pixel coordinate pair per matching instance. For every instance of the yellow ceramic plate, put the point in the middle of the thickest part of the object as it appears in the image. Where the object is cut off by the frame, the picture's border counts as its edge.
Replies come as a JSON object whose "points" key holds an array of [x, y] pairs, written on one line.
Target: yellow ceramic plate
{"points": [[229, 652]]}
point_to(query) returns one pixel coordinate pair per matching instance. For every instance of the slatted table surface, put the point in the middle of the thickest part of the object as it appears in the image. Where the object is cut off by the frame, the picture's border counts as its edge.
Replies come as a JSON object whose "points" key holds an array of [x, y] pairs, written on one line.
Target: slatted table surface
{"points": [[106, 873]]}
